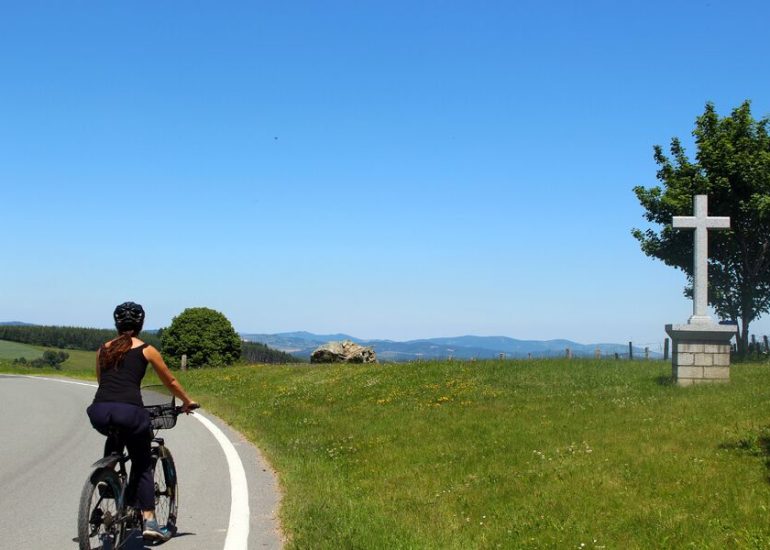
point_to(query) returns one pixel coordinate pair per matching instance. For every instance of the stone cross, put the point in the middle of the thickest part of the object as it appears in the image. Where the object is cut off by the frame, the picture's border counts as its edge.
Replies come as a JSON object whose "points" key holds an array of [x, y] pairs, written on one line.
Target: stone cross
{"points": [[701, 223]]}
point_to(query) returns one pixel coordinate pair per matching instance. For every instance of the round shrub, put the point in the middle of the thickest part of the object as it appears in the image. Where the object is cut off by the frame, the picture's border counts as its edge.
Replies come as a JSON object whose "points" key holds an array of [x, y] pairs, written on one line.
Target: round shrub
{"points": [[206, 336]]}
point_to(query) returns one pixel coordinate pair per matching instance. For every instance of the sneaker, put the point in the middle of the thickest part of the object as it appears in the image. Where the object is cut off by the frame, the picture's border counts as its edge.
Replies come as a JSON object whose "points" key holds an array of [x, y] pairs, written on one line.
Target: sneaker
{"points": [[152, 531]]}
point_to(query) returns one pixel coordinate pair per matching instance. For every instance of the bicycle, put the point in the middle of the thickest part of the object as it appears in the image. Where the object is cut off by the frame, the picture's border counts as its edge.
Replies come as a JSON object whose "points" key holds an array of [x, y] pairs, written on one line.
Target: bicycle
{"points": [[104, 519]]}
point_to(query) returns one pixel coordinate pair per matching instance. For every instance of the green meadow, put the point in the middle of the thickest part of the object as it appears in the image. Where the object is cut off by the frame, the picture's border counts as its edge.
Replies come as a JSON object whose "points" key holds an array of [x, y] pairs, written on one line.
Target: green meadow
{"points": [[80, 364], [506, 454], [541, 454], [14, 350]]}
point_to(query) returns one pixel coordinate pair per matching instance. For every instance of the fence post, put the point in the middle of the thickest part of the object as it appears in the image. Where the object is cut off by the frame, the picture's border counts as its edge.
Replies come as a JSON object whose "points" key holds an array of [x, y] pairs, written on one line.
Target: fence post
{"points": [[597, 353], [767, 344], [665, 349], [630, 350], [646, 352], [184, 362]]}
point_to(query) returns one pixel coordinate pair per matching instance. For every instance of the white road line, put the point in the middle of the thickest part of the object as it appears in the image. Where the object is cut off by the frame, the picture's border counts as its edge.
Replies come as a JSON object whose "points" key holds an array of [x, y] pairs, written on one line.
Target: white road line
{"points": [[238, 529]]}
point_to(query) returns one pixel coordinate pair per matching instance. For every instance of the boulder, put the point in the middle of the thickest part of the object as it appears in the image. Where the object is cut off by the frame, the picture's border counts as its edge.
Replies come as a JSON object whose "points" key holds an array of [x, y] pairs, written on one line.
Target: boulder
{"points": [[343, 352]]}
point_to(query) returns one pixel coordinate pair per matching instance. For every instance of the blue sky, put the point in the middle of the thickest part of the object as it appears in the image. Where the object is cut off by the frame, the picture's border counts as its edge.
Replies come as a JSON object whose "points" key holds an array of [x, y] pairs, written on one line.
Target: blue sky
{"points": [[390, 170]]}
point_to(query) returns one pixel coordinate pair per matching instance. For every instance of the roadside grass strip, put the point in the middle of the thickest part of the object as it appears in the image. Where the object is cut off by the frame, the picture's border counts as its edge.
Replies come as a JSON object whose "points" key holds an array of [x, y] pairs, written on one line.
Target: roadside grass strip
{"points": [[506, 454]]}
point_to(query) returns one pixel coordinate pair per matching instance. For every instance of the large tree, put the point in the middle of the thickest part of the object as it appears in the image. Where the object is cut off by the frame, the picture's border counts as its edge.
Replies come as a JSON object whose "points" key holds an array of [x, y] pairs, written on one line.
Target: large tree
{"points": [[204, 335], [732, 167]]}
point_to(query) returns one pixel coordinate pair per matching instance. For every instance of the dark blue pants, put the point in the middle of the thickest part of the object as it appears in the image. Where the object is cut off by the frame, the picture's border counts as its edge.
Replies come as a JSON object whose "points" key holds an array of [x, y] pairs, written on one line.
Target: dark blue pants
{"points": [[133, 423]]}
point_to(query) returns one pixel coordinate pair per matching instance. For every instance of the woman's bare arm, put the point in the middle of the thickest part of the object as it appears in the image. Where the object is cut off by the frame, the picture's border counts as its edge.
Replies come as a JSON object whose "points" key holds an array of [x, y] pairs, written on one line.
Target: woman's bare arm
{"points": [[163, 372]]}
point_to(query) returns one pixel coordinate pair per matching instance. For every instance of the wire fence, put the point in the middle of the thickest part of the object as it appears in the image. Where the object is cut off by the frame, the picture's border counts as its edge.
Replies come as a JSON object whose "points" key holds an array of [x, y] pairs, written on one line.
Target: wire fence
{"points": [[759, 346]]}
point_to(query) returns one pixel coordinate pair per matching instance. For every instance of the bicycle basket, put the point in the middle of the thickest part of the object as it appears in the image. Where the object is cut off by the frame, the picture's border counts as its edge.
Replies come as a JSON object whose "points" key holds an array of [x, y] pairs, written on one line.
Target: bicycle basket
{"points": [[162, 417], [161, 407]]}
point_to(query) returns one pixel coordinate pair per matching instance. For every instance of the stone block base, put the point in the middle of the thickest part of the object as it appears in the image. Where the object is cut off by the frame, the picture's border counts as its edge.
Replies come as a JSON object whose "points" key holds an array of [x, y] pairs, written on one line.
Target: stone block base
{"points": [[701, 353]]}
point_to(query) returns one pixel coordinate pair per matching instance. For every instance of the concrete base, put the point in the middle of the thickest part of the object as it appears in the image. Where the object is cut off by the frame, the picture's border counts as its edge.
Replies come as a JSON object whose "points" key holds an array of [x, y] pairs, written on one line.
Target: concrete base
{"points": [[701, 352]]}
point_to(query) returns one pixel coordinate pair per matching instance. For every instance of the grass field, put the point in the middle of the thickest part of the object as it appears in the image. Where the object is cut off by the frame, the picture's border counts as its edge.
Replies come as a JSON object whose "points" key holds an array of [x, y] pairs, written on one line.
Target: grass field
{"points": [[529, 454], [550, 454], [14, 350], [80, 363]]}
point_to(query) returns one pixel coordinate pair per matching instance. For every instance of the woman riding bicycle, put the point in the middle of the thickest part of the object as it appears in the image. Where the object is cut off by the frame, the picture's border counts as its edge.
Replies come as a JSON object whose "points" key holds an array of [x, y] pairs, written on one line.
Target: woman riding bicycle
{"points": [[121, 365]]}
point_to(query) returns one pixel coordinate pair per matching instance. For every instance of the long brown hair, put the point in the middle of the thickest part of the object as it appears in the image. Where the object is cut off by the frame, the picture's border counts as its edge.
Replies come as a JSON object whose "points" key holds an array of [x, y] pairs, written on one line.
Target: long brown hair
{"points": [[111, 356]]}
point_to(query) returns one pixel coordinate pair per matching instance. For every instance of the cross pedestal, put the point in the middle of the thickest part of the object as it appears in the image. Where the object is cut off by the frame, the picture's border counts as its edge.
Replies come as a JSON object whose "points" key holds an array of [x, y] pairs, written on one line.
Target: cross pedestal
{"points": [[701, 351]]}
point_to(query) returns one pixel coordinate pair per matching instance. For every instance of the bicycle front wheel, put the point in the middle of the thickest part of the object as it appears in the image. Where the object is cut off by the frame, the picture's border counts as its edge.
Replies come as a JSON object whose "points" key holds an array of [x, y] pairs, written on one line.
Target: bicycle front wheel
{"points": [[99, 523], [166, 490]]}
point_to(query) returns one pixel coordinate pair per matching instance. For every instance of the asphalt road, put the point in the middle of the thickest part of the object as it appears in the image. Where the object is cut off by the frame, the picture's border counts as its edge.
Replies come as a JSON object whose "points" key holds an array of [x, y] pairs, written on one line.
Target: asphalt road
{"points": [[47, 446]]}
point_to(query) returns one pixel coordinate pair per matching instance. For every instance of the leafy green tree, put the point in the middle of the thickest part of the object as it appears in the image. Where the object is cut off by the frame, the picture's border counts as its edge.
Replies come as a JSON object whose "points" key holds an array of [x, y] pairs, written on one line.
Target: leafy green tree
{"points": [[732, 167], [204, 335]]}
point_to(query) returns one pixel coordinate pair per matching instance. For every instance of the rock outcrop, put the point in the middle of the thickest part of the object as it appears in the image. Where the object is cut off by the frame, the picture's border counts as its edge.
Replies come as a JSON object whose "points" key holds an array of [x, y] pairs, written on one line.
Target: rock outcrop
{"points": [[343, 352]]}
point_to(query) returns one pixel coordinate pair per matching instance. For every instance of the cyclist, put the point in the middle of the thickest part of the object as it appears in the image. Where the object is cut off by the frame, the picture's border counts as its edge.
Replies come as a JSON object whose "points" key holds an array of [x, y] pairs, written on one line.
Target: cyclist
{"points": [[121, 364]]}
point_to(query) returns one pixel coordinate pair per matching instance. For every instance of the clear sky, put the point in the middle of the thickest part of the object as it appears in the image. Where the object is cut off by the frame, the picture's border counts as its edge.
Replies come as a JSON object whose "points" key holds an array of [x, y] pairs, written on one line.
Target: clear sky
{"points": [[385, 169]]}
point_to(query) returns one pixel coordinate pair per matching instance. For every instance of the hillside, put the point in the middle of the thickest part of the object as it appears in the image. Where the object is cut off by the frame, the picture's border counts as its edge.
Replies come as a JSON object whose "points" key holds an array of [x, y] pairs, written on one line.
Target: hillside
{"points": [[302, 344]]}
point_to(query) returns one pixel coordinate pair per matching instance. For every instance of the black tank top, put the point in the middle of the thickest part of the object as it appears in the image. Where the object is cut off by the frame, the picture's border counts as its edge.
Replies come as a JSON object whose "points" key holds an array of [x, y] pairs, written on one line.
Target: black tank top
{"points": [[121, 383]]}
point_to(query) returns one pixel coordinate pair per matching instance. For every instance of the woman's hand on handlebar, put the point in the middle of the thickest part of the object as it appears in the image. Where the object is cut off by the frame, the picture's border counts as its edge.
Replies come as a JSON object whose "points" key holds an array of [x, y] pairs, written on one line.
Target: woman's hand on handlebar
{"points": [[190, 407]]}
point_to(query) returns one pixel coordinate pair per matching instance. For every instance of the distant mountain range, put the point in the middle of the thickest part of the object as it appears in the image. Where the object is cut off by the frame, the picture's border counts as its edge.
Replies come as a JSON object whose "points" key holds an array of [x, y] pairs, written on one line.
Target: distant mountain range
{"points": [[302, 344]]}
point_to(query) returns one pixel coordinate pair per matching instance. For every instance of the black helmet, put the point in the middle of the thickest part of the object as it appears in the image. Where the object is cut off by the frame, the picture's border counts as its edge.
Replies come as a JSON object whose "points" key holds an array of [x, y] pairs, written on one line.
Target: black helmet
{"points": [[129, 316]]}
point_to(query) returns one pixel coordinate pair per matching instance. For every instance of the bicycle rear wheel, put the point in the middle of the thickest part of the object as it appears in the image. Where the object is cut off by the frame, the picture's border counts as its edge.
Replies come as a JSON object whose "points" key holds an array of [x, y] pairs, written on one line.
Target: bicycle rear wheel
{"points": [[166, 487], [99, 525]]}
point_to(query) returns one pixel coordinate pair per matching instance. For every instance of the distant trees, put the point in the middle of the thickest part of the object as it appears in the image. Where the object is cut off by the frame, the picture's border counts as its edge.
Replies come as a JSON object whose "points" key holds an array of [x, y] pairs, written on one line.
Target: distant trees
{"points": [[206, 336], [254, 352], [732, 167], [88, 339]]}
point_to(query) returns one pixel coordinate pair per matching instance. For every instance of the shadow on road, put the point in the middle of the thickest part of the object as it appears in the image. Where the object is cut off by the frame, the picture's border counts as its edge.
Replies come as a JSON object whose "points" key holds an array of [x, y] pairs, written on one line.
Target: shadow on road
{"points": [[135, 541]]}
